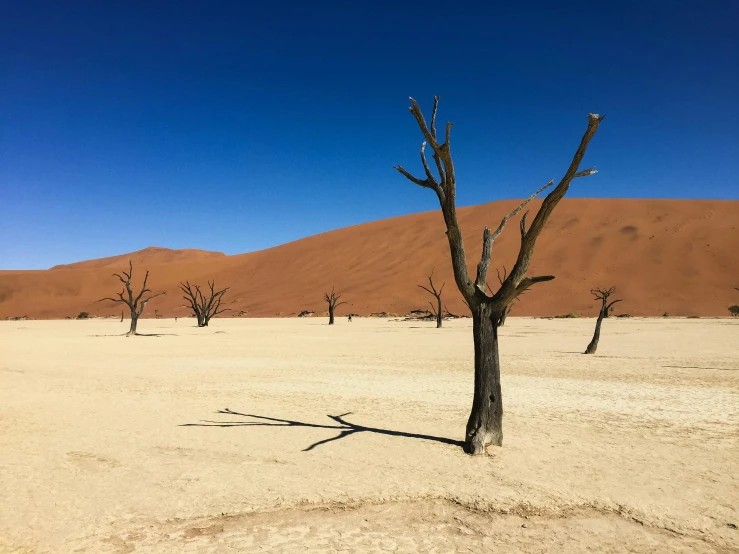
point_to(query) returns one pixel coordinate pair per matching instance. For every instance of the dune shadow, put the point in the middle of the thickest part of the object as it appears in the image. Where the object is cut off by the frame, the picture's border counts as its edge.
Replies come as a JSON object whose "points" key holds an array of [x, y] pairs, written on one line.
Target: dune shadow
{"points": [[346, 428]]}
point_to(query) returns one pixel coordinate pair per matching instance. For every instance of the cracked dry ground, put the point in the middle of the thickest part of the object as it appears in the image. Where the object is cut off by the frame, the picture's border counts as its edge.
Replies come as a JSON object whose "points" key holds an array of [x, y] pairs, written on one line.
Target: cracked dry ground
{"points": [[290, 436]]}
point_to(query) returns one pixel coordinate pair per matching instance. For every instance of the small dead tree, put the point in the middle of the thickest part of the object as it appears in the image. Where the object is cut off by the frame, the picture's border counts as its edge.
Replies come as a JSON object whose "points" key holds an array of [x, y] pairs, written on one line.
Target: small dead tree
{"points": [[333, 302], [602, 295], [485, 424], [135, 303], [436, 294], [203, 306]]}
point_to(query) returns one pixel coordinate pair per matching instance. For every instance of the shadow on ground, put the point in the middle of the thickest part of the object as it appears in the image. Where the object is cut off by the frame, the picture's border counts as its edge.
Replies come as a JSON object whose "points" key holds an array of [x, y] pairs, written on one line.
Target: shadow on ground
{"points": [[344, 426], [139, 335]]}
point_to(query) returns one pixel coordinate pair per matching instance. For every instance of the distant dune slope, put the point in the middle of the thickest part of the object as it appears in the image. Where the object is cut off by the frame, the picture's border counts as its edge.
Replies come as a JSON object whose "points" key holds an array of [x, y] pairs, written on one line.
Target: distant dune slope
{"points": [[151, 255], [675, 256]]}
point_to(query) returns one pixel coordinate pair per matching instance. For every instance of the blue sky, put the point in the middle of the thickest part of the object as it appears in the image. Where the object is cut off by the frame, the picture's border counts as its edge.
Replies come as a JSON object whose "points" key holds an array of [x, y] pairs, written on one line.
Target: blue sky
{"points": [[236, 126]]}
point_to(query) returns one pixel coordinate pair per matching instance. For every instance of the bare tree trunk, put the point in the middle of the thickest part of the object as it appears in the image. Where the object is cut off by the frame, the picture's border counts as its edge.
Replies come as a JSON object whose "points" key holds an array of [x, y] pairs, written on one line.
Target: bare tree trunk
{"points": [[485, 425], [134, 323], [593, 346], [438, 313], [330, 316]]}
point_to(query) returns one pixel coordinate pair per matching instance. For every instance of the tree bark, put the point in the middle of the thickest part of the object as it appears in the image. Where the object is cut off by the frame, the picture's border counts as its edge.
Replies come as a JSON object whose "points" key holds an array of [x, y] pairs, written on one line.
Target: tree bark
{"points": [[593, 346], [485, 424], [330, 316], [438, 313], [134, 323]]}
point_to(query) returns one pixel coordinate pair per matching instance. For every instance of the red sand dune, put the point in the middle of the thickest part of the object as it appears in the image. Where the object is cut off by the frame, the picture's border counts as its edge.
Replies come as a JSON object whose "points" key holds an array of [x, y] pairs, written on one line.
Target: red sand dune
{"points": [[675, 256], [151, 255]]}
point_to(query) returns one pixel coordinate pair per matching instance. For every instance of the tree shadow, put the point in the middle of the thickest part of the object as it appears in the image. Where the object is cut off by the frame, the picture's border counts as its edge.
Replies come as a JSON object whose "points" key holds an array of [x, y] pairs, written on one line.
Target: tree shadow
{"points": [[344, 426], [139, 335], [699, 367]]}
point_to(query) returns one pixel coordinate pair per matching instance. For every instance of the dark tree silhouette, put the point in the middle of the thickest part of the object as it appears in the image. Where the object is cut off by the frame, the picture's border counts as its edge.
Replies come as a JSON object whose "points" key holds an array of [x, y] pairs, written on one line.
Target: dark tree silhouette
{"points": [[135, 303], [436, 294], [333, 302], [203, 306], [602, 295], [734, 310], [485, 424]]}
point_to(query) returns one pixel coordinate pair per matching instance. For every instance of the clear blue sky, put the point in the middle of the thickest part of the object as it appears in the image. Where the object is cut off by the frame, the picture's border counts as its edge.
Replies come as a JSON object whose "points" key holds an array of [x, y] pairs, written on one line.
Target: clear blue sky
{"points": [[236, 126]]}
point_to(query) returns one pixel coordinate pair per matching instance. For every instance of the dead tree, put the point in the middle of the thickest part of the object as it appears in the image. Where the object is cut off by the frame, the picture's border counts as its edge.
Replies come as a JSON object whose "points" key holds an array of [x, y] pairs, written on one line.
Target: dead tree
{"points": [[333, 302], [602, 295], [436, 294], [485, 424], [203, 306], [135, 303]]}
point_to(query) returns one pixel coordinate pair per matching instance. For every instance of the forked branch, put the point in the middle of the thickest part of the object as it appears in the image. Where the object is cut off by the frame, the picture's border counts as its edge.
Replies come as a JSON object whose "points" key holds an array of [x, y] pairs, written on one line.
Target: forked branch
{"points": [[445, 188], [488, 239]]}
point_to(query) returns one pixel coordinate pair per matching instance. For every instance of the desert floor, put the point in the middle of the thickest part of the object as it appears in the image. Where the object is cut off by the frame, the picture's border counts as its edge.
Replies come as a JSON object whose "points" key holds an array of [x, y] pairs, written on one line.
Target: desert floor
{"points": [[289, 435]]}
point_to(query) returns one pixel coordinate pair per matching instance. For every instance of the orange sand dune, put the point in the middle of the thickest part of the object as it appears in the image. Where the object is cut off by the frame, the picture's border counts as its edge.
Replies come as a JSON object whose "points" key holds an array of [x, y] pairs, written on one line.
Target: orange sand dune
{"points": [[675, 256], [151, 255]]}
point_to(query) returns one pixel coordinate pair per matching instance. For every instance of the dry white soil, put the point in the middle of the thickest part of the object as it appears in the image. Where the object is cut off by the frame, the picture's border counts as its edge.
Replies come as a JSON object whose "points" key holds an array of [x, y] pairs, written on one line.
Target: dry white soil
{"points": [[291, 436]]}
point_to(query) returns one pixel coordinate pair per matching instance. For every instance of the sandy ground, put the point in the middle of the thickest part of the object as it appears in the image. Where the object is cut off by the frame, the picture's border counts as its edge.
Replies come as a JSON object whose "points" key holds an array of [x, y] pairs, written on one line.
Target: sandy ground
{"points": [[292, 436]]}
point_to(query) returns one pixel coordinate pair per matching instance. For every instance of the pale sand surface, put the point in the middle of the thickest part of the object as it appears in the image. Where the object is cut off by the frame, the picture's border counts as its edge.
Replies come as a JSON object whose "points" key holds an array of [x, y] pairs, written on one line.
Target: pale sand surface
{"points": [[635, 449]]}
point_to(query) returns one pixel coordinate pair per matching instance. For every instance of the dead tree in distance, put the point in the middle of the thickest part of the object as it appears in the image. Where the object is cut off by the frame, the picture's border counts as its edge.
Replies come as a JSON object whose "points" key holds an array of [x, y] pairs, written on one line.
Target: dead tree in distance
{"points": [[203, 306], [436, 294], [602, 295], [333, 302], [485, 424], [133, 302]]}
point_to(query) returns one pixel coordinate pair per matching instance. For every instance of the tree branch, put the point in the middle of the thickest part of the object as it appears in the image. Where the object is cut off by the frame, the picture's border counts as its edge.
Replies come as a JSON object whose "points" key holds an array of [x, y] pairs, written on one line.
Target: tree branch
{"points": [[488, 239], [586, 172], [433, 116], [526, 282], [510, 288], [418, 114], [429, 176], [143, 288], [445, 192]]}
